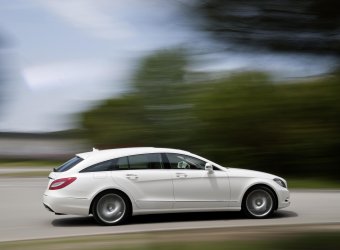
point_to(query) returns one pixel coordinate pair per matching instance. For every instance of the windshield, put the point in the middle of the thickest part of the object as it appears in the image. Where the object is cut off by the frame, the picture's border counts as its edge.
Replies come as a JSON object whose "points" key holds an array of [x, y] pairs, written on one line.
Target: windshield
{"points": [[68, 165]]}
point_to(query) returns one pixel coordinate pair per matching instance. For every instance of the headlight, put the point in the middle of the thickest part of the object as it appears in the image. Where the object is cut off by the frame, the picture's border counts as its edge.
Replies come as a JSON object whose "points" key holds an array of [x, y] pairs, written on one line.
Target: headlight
{"points": [[280, 182]]}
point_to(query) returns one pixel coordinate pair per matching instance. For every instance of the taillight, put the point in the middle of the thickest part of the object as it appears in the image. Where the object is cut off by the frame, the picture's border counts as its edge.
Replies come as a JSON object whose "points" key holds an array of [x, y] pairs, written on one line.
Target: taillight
{"points": [[61, 183]]}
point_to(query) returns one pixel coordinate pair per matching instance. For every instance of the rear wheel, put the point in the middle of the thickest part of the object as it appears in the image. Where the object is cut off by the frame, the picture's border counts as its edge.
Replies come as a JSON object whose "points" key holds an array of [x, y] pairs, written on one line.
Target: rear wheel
{"points": [[259, 202], [111, 209]]}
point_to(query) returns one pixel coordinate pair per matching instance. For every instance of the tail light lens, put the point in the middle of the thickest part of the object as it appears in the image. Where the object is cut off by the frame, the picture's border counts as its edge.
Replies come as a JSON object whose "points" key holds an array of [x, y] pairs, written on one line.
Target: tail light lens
{"points": [[61, 183]]}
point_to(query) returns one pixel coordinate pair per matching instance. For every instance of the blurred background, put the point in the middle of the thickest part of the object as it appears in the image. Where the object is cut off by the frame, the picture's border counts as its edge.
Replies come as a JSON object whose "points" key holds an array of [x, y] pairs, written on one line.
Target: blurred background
{"points": [[251, 84]]}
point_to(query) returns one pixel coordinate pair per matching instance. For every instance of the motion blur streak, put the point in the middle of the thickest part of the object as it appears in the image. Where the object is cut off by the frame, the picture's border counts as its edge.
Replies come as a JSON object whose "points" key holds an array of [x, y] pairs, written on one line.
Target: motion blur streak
{"points": [[71, 55], [250, 84], [244, 119]]}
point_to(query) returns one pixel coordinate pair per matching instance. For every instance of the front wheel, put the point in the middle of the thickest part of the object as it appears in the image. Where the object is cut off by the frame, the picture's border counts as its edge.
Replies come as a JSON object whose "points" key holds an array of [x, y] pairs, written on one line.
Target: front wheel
{"points": [[259, 202], [111, 209]]}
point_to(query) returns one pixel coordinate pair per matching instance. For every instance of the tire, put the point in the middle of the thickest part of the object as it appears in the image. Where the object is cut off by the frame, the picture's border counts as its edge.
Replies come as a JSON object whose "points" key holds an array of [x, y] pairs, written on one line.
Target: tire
{"points": [[259, 202], [111, 208]]}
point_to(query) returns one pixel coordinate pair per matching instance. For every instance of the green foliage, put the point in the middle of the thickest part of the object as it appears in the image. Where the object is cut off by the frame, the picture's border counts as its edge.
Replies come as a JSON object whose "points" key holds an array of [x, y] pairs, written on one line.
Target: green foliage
{"points": [[155, 113], [236, 117], [286, 128], [244, 120]]}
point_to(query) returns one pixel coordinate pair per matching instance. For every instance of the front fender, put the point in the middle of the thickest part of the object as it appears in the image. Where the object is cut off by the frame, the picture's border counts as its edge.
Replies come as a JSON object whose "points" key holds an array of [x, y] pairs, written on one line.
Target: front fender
{"points": [[240, 185]]}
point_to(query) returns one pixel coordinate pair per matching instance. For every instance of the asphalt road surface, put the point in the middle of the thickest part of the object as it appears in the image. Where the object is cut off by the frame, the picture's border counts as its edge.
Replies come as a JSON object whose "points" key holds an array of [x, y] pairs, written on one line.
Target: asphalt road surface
{"points": [[22, 215]]}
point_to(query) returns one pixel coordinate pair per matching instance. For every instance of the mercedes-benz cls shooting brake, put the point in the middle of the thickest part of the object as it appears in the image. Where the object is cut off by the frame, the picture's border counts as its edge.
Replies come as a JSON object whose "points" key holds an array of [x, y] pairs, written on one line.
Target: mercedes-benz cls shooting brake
{"points": [[115, 184]]}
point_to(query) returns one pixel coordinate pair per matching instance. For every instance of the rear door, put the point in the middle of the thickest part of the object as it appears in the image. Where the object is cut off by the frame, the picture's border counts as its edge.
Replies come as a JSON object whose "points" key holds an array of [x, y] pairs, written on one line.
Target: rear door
{"points": [[146, 180]]}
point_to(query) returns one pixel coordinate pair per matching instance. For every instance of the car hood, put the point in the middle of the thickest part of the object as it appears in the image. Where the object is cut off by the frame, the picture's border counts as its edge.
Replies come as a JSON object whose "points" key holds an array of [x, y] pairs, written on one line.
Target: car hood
{"points": [[249, 173]]}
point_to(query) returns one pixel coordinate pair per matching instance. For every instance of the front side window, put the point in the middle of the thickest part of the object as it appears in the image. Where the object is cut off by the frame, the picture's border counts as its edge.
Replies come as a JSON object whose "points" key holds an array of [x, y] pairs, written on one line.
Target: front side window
{"points": [[145, 161], [178, 161], [68, 165]]}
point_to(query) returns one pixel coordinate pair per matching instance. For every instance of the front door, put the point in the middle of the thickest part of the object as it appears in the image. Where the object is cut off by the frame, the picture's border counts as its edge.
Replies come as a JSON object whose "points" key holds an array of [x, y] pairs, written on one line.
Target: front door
{"points": [[195, 187]]}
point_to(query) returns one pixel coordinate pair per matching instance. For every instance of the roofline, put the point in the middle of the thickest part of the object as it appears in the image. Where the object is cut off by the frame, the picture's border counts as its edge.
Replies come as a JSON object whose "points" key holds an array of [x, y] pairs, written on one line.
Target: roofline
{"points": [[95, 151]]}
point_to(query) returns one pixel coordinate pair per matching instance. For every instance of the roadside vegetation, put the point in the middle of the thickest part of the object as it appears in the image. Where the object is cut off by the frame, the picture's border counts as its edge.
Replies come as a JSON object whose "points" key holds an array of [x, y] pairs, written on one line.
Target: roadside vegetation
{"points": [[247, 119], [28, 163]]}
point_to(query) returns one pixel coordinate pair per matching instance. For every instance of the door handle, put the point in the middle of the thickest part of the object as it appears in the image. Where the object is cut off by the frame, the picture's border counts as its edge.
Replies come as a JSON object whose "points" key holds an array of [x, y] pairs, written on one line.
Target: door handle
{"points": [[181, 175], [132, 176]]}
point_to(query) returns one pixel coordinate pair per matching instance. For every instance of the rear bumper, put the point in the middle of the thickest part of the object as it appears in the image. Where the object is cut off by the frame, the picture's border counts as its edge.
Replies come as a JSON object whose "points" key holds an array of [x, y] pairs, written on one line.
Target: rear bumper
{"points": [[66, 205]]}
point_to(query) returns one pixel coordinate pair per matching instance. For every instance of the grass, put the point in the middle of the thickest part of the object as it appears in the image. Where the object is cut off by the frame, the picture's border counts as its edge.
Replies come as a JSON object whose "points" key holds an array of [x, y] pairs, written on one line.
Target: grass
{"points": [[28, 163], [313, 183], [41, 168], [30, 174], [212, 239]]}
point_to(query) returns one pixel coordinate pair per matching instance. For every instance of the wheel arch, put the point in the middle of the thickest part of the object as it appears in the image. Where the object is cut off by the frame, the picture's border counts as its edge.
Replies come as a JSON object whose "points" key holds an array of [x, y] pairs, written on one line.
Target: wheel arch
{"points": [[255, 185], [111, 190]]}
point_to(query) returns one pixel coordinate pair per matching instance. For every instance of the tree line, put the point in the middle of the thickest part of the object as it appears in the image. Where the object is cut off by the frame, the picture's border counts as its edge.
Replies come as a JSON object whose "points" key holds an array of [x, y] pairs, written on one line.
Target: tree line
{"points": [[243, 120]]}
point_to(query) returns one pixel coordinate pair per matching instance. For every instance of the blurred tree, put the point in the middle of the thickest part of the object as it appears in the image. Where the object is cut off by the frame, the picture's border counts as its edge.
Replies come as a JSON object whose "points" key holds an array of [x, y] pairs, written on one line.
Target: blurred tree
{"points": [[310, 25], [239, 120], [248, 121], [243, 120], [155, 113]]}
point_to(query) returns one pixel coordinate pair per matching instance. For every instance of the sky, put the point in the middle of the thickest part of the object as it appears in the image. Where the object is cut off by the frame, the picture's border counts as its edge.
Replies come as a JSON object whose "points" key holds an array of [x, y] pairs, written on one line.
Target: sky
{"points": [[63, 57]]}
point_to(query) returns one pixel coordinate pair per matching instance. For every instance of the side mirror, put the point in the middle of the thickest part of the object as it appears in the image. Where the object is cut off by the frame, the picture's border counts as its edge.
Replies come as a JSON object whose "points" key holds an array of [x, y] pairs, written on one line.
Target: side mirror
{"points": [[209, 167]]}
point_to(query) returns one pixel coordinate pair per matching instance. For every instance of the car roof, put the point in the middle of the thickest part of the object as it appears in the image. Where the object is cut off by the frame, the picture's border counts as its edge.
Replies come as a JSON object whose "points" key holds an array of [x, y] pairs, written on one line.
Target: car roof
{"points": [[119, 152]]}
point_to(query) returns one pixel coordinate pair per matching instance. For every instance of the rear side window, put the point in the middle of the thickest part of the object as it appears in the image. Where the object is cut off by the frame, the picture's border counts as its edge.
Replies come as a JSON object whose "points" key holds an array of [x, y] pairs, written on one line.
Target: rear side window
{"points": [[114, 164], [145, 161], [121, 164], [102, 166], [68, 165]]}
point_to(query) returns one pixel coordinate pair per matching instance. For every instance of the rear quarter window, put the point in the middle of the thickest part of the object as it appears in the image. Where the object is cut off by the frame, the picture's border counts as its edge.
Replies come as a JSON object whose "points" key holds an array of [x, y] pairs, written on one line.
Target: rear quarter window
{"points": [[69, 164], [99, 167]]}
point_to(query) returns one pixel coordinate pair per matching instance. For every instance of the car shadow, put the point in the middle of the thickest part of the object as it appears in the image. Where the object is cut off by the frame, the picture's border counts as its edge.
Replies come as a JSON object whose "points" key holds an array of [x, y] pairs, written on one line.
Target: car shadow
{"points": [[163, 218]]}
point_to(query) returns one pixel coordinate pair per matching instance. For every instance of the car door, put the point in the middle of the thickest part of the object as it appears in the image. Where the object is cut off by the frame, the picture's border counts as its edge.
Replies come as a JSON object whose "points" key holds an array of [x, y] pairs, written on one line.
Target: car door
{"points": [[195, 187], [144, 177]]}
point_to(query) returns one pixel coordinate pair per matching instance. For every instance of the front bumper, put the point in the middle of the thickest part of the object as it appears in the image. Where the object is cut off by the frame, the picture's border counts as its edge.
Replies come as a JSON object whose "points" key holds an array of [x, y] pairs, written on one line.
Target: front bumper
{"points": [[66, 205], [283, 198]]}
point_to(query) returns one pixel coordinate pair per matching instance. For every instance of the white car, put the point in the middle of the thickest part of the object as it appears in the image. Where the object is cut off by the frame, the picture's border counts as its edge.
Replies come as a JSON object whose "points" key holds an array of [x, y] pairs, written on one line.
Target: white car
{"points": [[114, 184]]}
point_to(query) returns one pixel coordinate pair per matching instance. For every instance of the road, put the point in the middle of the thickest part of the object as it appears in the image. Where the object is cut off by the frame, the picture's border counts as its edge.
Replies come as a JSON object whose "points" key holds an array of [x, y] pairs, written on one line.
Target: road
{"points": [[22, 215]]}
